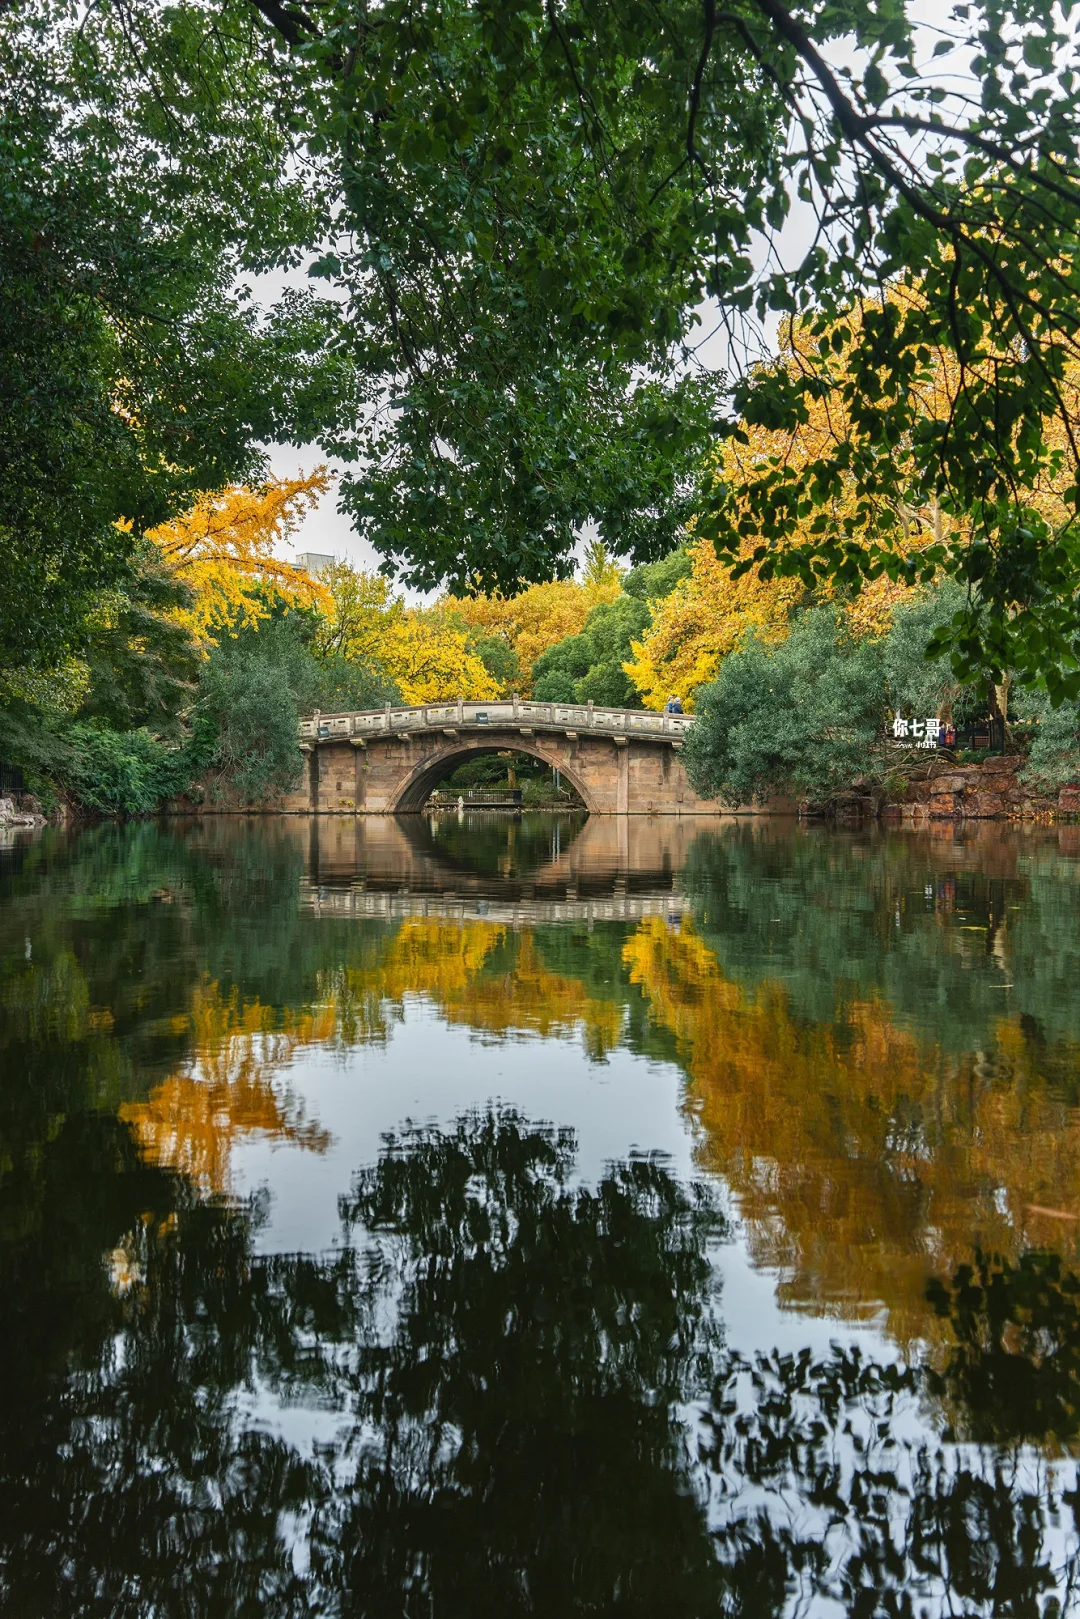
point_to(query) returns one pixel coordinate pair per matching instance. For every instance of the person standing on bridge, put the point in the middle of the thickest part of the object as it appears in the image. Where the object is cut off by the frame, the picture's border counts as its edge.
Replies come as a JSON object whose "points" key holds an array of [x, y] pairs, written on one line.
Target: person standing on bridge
{"points": [[674, 705]]}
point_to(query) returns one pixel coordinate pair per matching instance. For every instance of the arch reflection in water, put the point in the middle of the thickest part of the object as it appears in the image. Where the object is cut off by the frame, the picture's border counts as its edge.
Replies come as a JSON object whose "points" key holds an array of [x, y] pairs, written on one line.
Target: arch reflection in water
{"points": [[524, 1401], [501, 856]]}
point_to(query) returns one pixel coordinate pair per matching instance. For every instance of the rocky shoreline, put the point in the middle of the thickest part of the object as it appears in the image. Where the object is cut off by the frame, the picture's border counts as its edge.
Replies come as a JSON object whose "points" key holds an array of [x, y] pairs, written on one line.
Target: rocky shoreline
{"points": [[942, 790], [21, 809]]}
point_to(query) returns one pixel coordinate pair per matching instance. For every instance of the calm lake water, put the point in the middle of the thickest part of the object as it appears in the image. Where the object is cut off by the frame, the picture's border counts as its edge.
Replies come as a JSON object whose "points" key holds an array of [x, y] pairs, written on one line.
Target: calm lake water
{"points": [[491, 1217]]}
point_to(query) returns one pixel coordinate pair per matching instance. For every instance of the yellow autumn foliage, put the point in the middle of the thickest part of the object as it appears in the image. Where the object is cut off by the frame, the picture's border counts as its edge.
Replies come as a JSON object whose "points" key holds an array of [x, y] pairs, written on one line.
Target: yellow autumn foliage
{"points": [[705, 618], [233, 1091], [223, 550], [423, 650], [537, 617], [708, 614], [449, 962], [429, 660]]}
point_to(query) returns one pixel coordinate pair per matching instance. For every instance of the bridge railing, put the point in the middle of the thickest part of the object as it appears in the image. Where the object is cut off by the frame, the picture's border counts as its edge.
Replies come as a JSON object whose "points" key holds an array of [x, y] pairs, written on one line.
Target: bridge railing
{"points": [[517, 711], [477, 797]]}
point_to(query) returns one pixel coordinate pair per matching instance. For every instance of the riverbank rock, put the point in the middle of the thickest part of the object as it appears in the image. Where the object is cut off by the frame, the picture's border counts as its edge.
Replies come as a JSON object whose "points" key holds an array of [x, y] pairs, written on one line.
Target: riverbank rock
{"points": [[991, 790], [22, 810]]}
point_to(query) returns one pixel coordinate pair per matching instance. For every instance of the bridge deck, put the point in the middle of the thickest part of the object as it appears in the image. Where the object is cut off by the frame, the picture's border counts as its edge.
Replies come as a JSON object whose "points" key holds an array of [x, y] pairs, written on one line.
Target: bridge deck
{"points": [[517, 711]]}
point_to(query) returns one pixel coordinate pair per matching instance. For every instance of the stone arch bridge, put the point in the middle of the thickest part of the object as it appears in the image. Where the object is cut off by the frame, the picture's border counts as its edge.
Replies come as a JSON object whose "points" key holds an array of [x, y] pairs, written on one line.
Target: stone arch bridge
{"points": [[389, 760]]}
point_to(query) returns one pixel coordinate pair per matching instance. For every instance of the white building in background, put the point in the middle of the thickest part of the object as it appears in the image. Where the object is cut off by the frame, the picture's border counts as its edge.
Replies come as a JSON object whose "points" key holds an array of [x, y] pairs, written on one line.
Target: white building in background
{"points": [[315, 562]]}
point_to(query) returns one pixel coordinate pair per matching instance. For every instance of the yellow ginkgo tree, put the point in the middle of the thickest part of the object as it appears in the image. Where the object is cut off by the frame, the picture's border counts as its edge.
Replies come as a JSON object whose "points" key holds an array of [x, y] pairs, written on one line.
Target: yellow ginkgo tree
{"points": [[701, 621], [539, 616], [424, 651], [224, 551], [711, 612]]}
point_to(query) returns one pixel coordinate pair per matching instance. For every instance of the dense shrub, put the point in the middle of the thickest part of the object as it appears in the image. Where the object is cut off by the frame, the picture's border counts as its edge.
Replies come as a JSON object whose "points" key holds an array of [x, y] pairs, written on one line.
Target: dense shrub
{"points": [[917, 684], [589, 667], [120, 772], [800, 717], [810, 715], [109, 771], [252, 691], [1054, 739], [156, 718]]}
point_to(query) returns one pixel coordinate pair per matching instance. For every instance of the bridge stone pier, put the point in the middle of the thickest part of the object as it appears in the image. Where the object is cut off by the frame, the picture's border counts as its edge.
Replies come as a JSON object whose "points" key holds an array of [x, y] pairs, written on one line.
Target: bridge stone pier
{"points": [[389, 761]]}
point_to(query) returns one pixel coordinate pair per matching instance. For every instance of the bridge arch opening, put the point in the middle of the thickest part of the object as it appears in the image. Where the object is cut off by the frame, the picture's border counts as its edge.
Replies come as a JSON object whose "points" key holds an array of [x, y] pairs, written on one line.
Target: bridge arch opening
{"points": [[432, 772]]}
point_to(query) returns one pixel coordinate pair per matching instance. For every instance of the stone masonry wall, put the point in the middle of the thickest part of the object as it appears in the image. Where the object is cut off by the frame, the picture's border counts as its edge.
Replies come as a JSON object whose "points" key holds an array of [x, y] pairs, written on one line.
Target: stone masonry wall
{"points": [[989, 791]]}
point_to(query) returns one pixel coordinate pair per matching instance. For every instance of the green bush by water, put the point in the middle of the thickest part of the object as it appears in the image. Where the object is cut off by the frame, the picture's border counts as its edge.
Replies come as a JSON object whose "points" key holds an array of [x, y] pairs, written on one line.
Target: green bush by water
{"points": [[810, 716], [157, 720]]}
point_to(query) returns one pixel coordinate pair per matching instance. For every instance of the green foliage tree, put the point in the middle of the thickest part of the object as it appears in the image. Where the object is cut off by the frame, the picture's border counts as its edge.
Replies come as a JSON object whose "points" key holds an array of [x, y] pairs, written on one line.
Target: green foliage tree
{"points": [[527, 206], [246, 723], [499, 659], [916, 683], [650, 581], [1013, 1372], [808, 715], [589, 666], [105, 730], [253, 689], [141, 664], [141, 179], [800, 717], [517, 314]]}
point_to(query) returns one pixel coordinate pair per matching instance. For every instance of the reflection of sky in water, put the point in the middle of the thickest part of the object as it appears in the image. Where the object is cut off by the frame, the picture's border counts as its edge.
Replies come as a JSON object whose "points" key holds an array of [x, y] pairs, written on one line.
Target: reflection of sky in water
{"points": [[431, 1072]]}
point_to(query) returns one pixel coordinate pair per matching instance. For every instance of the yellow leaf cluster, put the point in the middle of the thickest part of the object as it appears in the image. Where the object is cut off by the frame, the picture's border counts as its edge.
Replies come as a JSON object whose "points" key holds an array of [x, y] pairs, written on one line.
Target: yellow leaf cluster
{"points": [[709, 614], [537, 617], [423, 650], [705, 618], [429, 660], [233, 1091], [934, 389], [223, 550], [449, 963]]}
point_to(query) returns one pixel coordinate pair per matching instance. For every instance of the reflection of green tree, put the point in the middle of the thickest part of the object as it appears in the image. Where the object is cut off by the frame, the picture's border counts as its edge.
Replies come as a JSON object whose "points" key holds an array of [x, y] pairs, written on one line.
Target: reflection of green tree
{"points": [[926, 923], [518, 1441], [129, 1482], [878, 1524], [1014, 1370], [535, 1411], [595, 957]]}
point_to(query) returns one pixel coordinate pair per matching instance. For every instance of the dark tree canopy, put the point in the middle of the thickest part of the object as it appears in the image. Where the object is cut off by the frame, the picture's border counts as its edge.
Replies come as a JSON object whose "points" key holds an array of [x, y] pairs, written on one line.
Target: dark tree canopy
{"points": [[134, 371], [521, 207]]}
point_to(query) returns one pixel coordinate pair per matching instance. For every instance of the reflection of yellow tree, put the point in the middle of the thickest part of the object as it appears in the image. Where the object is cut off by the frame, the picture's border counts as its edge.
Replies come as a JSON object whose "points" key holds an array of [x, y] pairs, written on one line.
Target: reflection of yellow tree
{"points": [[862, 1161], [454, 965], [232, 1090]]}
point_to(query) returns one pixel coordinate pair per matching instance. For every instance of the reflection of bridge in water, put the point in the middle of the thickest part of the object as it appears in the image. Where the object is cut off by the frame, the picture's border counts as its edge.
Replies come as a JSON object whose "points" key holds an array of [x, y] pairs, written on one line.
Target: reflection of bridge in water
{"points": [[567, 869]]}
